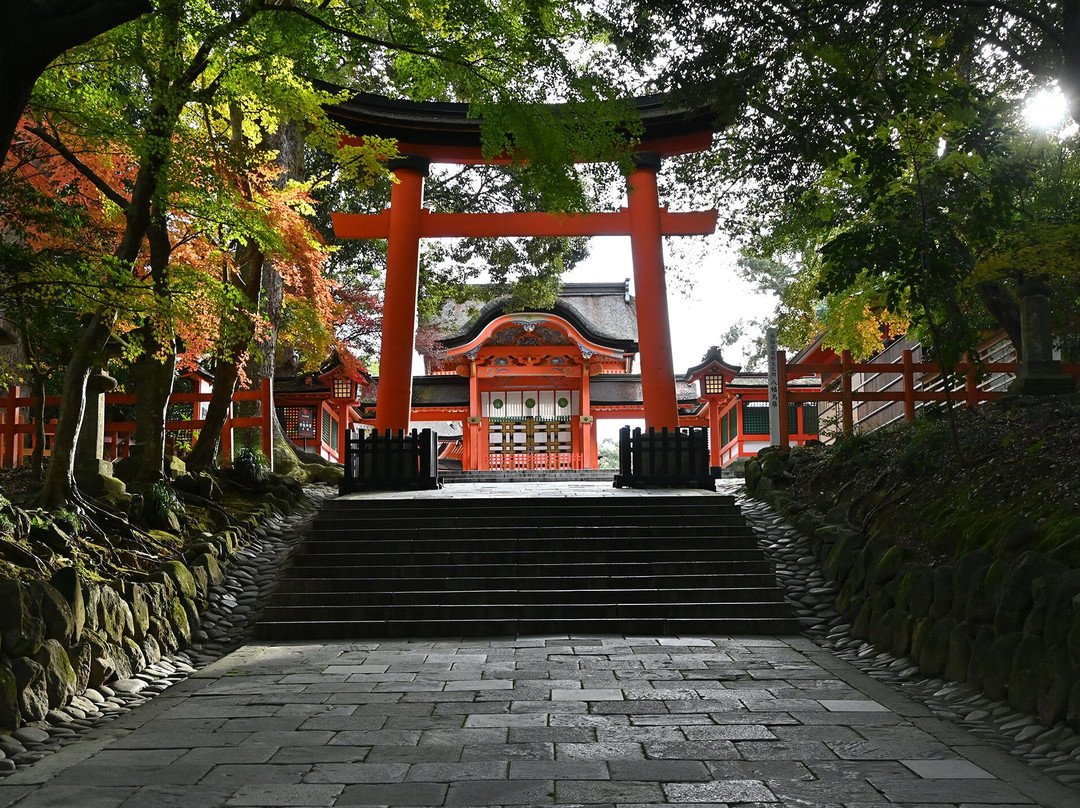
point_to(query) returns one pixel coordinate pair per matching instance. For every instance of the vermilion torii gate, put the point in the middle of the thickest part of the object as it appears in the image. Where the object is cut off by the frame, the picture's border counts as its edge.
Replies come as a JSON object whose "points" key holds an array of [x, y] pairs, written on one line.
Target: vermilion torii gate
{"points": [[443, 133]]}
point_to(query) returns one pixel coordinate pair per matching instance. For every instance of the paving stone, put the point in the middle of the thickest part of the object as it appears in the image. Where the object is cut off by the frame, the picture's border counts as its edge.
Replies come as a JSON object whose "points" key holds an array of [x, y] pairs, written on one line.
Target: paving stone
{"points": [[784, 750], [599, 751], [559, 770], [178, 796], [822, 791], [692, 750], [451, 772], [726, 791], [739, 732], [491, 792], [526, 751], [349, 773], [598, 791], [9, 795], [914, 789], [282, 796], [83, 796], [661, 771], [264, 773], [551, 735], [877, 750], [412, 754], [947, 769]]}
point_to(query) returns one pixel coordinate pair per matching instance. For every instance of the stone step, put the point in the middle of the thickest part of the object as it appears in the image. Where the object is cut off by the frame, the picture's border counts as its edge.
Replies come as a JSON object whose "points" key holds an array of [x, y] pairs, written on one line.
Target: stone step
{"points": [[647, 564], [520, 522], [329, 586], [533, 611], [513, 558], [557, 475], [491, 541], [557, 505], [550, 570], [512, 598], [512, 627]]}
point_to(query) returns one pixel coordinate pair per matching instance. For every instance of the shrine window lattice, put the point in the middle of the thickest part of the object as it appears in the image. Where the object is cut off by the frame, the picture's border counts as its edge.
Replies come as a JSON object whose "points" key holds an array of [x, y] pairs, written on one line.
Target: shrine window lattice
{"points": [[298, 422], [756, 418]]}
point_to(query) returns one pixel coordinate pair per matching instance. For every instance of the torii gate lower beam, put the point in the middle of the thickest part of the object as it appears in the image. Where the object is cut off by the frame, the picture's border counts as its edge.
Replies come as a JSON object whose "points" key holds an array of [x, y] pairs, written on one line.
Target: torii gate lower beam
{"points": [[406, 222]]}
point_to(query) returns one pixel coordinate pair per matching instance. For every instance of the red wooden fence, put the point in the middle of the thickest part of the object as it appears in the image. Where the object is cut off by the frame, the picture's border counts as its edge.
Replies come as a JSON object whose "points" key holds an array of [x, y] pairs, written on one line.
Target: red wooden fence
{"points": [[911, 393], [118, 433]]}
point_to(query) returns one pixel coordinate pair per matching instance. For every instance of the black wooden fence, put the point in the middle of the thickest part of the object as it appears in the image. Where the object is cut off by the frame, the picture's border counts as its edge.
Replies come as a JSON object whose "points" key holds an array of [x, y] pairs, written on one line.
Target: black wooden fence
{"points": [[390, 461], [664, 459]]}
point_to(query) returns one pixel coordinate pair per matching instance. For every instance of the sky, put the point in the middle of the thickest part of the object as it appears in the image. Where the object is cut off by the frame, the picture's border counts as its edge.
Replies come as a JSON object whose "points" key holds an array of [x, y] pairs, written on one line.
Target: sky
{"points": [[702, 305]]}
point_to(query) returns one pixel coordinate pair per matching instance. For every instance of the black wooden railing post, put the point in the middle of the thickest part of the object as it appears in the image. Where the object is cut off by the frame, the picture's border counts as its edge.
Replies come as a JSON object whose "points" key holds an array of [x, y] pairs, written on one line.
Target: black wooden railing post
{"points": [[664, 459], [390, 461]]}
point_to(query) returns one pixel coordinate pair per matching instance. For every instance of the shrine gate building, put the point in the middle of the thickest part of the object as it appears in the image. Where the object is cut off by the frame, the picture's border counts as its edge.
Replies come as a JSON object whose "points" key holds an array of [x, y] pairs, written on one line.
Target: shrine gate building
{"points": [[527, 387]]}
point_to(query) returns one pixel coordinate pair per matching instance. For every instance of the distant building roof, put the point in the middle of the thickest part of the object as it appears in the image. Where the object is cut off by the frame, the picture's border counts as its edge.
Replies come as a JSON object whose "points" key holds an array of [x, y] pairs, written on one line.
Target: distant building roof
{"points": [[762, 380], [626, 389], [440, 391]]}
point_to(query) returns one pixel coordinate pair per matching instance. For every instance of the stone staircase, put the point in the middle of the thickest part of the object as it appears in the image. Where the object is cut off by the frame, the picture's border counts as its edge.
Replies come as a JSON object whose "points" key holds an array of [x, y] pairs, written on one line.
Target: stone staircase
{"points": [[656, 565], [554, 475]]}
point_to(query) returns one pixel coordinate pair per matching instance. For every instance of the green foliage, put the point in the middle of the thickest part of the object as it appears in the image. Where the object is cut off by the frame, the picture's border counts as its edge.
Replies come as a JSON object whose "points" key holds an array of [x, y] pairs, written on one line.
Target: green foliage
{"points": [[608, 453], [7, 527], [69, 519], [160, 500], [251, 467]]}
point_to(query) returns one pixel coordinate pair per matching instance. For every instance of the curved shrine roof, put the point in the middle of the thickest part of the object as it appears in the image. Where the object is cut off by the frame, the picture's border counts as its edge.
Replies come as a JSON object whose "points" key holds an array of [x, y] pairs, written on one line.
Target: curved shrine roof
{"points": [[604, 312]]}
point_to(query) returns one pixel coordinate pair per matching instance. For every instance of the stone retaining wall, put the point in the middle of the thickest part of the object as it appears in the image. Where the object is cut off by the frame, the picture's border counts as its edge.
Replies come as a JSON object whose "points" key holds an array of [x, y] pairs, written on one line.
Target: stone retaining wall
{"points": [[1009, 628], [62, 636]]}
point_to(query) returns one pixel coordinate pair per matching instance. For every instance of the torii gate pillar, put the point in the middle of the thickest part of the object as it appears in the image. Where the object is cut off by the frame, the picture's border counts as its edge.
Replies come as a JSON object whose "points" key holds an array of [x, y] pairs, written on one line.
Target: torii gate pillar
{"points": [[394, 398], [654, 330]]}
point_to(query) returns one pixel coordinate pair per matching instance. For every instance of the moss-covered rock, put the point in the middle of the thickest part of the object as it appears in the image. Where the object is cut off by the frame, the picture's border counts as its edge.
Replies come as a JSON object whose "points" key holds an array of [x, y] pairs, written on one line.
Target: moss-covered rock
{"points": [[181, 577], [33, 695], [67, 582], [1056, 685], [54, 610], [59, 676], [114, 615], [1017, 595], [944, 589], [10, 714], [933, 653], [80, 657], [997, 665], [959, 657], [1027, 674], [22, 631]]}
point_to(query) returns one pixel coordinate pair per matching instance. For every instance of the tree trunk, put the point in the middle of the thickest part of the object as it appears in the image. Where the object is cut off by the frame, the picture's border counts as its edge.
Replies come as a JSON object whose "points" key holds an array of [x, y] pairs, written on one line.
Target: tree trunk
{"points": [[37, 457], [203, 456], [154, 373], [152, 378], [59, 482], [1003, 307], [1069, 80]]}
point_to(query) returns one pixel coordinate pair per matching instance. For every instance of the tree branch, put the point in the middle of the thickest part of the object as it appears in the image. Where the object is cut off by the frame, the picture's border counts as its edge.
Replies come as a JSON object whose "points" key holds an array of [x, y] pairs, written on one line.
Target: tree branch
{"points": [[110, 193], [1041, 23], [66, 25]]}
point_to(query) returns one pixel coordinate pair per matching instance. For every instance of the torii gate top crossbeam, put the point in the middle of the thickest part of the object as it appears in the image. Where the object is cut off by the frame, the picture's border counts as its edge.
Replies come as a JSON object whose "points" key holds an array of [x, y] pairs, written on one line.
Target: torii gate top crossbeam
{"points": [[445, 133]]}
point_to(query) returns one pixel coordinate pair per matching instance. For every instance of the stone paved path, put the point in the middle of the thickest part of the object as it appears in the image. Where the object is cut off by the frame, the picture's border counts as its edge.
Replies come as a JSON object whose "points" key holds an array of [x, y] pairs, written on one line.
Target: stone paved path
{"points": [[589, 721], [534, 721]]}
